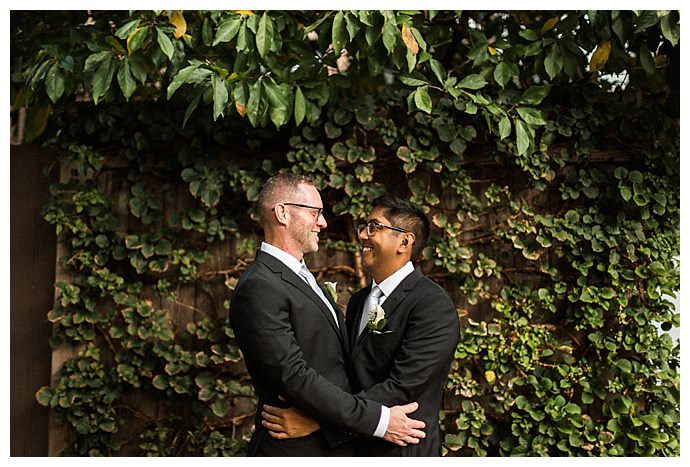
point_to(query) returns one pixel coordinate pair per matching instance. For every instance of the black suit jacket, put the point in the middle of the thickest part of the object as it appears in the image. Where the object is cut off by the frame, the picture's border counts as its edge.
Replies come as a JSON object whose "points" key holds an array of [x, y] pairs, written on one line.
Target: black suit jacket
{"points": [[293, 348], [408, 360]]}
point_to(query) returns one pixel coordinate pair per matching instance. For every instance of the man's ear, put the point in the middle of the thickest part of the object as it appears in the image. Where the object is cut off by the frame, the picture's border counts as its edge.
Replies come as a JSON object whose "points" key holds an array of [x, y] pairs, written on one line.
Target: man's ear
{"points": [[281, 214], [406, 243]]}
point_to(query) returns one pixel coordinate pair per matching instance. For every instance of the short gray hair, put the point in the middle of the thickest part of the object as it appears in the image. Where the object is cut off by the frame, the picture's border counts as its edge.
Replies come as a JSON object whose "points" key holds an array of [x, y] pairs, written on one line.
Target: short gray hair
{"points": [[278, 189]]}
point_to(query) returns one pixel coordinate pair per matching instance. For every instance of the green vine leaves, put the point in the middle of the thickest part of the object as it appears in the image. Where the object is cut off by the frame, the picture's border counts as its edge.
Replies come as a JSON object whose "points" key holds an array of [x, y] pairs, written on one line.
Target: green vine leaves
{"points": [[552, 187]]}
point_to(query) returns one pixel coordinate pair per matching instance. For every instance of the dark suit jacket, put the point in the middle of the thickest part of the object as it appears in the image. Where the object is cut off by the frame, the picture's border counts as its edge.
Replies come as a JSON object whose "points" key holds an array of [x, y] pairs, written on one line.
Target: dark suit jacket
{"points": [[409, 360], [293, 348]]}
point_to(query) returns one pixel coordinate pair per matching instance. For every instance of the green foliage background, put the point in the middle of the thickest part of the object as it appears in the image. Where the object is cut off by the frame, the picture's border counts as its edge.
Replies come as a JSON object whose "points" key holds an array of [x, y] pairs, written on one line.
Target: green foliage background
{"points": [[544, 145]]}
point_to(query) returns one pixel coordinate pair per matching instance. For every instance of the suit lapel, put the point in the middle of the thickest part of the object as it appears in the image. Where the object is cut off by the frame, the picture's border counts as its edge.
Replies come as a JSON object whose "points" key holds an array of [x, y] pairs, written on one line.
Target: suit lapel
{"points": [[357, 307], [342, 328], [297, 282], [390, 306]]}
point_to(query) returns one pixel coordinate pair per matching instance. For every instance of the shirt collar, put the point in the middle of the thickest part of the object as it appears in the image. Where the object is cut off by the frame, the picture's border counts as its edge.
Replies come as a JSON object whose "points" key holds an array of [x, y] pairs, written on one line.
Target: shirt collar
{"points": [[389, 284], [286, 258]]}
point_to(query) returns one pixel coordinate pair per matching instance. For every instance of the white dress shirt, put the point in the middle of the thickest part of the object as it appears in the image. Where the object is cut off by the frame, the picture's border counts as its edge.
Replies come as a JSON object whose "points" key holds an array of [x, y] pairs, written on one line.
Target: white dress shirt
{"points": [[390, 283]]}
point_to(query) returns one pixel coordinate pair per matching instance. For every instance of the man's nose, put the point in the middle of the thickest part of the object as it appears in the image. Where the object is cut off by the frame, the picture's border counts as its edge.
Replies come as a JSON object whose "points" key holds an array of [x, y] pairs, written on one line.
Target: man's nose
{"points": [[321, 221]]}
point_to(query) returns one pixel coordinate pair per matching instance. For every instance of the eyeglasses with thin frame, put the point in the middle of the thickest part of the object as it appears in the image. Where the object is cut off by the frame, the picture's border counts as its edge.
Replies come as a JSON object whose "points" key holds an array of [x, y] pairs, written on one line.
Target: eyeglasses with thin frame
{"points": [[319, 211], [372, 227]]}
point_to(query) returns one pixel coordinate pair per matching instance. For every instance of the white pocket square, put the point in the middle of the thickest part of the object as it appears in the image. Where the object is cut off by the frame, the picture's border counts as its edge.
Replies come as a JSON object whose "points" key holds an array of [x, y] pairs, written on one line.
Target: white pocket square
{"points": [[381, 332]]}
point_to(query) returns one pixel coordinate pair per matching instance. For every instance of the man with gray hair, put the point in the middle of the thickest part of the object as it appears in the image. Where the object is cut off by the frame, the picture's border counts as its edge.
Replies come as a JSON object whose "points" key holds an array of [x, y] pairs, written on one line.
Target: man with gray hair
{"points": [[294, 339]]}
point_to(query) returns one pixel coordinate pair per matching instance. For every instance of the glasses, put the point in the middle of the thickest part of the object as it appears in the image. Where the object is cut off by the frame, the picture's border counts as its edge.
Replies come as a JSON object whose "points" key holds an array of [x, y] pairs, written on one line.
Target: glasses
{"points": [[319, 211], [372, 227]]}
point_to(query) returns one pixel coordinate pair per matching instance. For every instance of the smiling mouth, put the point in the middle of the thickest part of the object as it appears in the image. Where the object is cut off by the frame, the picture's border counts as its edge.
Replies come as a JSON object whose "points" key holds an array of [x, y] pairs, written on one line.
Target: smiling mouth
{"points": [[366, 248]]}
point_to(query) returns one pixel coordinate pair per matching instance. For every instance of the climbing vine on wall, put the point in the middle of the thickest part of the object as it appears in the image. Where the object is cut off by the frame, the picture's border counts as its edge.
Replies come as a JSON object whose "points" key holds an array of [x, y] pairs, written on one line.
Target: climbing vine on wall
{"points": [[543, 145]]}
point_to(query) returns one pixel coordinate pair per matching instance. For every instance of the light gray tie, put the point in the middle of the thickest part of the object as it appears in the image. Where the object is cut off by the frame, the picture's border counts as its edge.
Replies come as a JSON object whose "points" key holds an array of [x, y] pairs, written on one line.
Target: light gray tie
{"points": [[371, 301], [311, 280]]}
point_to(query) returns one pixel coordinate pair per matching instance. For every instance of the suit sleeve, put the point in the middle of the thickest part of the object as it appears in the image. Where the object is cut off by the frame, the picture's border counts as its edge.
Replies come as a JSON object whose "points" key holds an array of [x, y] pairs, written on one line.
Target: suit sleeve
{"points": [[263, 329], [429, 341]]}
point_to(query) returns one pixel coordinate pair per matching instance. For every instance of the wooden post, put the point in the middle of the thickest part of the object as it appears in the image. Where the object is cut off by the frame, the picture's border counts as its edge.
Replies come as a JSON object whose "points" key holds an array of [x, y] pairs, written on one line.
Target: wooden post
{"points": [[32, 252]]}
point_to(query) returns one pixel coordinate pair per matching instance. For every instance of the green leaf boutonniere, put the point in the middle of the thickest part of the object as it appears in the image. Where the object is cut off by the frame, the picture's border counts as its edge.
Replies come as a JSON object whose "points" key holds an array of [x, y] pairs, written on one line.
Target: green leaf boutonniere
{"points": [[331, 289]]}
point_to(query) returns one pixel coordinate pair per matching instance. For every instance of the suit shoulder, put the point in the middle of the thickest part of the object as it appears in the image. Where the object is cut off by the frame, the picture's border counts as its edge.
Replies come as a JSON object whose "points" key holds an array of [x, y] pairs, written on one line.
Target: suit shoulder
{"points": [[431, 295], [430, 287], [256, 275]]}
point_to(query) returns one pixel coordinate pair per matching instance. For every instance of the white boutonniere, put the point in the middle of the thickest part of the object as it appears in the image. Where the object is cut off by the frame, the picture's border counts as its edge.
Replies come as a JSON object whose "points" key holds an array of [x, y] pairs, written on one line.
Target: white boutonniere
{"points": [[331, 289], [377, 318]]}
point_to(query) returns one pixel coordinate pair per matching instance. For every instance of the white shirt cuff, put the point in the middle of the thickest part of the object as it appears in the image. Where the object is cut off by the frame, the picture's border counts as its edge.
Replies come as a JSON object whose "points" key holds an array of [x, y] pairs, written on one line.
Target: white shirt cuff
{"points": [[383, 422]]}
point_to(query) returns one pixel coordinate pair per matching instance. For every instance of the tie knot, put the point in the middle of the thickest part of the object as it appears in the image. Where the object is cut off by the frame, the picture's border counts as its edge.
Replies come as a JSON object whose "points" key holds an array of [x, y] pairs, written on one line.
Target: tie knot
{"points": [[376, 292], [304, 272]]}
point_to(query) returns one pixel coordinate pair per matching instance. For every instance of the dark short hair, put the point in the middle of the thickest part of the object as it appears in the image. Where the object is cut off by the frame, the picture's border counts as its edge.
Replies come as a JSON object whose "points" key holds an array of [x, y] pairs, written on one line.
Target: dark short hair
{"points": [[406, 215], [280, 188]]}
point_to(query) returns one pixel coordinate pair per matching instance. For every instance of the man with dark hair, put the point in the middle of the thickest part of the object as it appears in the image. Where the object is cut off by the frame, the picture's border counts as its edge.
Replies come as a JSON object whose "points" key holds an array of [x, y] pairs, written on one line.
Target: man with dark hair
{"points": [[294, 338], [408, 216], [403, 330]]}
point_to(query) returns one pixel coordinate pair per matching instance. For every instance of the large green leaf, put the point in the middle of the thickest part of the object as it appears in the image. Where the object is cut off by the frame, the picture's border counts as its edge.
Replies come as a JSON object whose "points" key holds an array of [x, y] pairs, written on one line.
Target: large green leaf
{"points": [[372, 35], [227, 30], [137, 39], [529, 34], [646, 19], [338, 33], [473, 82], [220, 96], [390, 35], [618, 25], [165, 44], [504, 127], [534, 95], [504, 72], [55, 82], [438, 70], [138, 68], [422, 99], [254, 107], [352, 24], [553, 63], [670, 29], [244, 39], [103, 77], [531, 115], [126, 80], [317, 23], [412, 81], [94, 60], [279, 116], [523, 137], [264, 36], [128, 28], [300, 106], [180, 78], [277, 98]]}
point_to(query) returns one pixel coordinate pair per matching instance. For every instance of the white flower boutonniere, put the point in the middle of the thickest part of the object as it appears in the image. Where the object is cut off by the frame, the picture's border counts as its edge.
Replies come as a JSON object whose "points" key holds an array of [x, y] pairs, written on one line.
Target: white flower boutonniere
{"points": [[377, 318], [331, 289]]}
